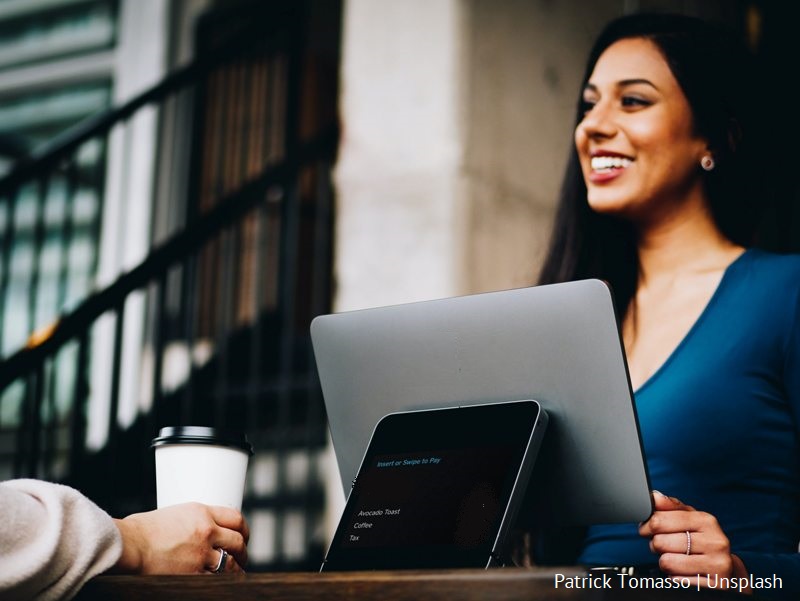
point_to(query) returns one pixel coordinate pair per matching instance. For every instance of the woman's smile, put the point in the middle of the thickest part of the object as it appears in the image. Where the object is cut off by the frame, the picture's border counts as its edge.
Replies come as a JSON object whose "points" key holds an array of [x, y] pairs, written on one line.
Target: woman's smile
{"points": [[607, 165]]}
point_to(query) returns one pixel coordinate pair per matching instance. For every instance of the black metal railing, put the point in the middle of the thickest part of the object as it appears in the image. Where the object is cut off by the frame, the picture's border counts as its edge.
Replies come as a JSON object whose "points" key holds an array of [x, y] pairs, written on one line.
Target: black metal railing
{"points": [[211, 327]]}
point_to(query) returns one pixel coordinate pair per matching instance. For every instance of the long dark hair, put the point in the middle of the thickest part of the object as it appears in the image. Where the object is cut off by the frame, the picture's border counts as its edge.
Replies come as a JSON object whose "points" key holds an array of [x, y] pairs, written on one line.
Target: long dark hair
{"points": [[717, 75]]}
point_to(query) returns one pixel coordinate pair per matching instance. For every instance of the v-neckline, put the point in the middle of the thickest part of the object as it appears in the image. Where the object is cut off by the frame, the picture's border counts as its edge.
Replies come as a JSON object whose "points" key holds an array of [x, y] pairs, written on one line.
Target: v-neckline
{"points": [[694, 327]]}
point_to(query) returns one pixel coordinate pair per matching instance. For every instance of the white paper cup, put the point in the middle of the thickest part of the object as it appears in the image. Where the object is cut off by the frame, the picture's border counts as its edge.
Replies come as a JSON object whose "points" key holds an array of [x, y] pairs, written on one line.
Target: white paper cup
{"points": [[205, 465]]}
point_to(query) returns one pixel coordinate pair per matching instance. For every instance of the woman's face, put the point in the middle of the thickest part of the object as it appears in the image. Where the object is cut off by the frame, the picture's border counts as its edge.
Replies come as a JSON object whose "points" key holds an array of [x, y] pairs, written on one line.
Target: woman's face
{"points": [[636, 143]]}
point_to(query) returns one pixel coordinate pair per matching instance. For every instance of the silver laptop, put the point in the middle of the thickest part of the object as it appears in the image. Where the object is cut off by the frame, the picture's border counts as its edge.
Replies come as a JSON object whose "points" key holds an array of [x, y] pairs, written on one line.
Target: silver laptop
{"points": [[558, 344]]}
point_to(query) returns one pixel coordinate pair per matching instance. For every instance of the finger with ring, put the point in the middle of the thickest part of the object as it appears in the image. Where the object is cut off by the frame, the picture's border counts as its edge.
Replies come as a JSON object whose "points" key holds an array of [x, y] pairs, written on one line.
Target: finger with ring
{"points": [[682, 542], [223, 559]]}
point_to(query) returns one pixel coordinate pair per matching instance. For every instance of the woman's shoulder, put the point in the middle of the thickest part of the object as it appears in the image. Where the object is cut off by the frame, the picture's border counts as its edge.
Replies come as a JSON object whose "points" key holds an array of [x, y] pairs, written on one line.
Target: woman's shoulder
{"points": [[773, 266], [768, 279]]}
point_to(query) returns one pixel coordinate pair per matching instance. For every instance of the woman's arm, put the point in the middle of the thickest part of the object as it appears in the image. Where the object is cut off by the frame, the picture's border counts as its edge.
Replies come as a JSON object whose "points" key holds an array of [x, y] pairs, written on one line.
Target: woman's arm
{"points": [[52, 540]]}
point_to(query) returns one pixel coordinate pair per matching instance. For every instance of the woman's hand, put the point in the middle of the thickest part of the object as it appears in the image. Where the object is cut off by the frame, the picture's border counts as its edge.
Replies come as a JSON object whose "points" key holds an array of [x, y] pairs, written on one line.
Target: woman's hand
{"points": [[689, 543], [182, 539]]}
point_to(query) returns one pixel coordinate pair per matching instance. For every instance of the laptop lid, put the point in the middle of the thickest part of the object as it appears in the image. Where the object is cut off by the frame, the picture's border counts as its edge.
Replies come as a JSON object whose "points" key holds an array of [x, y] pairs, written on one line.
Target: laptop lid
{"points": [[558, 344], [439, 488]]}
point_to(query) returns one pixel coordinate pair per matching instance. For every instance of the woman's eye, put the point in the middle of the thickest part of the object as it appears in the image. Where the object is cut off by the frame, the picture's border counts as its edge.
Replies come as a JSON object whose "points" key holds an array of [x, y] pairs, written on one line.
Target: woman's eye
{"points": [[587, 105], [634, 101]]}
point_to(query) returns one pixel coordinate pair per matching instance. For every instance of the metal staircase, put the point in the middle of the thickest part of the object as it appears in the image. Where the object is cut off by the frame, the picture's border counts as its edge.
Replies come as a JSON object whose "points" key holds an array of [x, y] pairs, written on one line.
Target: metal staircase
{"points": [[211, 328]]}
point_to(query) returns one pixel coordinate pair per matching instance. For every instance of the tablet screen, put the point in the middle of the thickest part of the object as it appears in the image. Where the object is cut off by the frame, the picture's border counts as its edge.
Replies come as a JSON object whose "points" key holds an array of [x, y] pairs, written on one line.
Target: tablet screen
{"points": [[437, 488]]}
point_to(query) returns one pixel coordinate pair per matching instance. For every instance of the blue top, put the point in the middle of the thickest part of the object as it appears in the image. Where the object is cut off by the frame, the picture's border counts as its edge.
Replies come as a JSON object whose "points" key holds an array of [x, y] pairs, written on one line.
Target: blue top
{"points": [[720, 421]]}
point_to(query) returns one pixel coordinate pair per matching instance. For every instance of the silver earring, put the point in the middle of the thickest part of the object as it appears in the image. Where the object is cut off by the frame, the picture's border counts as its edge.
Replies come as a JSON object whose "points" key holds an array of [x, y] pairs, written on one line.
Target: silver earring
{"points": [[707, 162]]}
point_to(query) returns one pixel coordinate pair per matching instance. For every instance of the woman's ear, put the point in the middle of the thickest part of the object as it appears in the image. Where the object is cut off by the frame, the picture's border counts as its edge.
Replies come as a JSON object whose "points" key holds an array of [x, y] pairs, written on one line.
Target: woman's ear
{"points": [[704, 150], [707, 155]]}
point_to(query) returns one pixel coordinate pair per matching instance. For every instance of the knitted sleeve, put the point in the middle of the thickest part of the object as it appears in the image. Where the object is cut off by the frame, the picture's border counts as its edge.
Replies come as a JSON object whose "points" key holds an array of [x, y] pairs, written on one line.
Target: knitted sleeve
{"points": [[52, 540]]}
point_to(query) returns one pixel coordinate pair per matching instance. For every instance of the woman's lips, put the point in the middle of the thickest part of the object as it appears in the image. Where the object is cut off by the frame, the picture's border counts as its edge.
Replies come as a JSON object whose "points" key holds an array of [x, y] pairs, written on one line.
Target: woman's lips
{"points": [[607, 166], [599, 177]]}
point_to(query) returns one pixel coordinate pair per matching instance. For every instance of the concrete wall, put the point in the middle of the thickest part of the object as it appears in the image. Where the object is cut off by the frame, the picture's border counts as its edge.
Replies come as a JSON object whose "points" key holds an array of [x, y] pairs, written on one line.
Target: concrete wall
{"points": [[525, 61], [457, 116], [398, 174]]}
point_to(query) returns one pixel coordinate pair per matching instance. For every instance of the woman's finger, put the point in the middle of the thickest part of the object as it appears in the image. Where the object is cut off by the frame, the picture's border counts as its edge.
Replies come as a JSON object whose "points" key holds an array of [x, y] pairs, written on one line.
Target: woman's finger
{"points": [[691, 543], [217, 560], [216, 565], [680, 564], [677, 542], [233, 542], [667, 522], [662, 502], [231, 519], [233, 567]]}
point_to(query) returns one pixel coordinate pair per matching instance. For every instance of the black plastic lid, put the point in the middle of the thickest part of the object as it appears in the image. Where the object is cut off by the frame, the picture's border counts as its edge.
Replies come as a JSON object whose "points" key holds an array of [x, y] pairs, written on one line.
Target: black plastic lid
{"points": [[202, 435]]}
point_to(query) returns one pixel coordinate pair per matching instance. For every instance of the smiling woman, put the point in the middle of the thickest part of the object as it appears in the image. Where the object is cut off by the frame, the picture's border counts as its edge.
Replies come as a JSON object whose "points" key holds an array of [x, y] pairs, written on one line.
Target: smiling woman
{"points": [[636, 142], [661, 199]]}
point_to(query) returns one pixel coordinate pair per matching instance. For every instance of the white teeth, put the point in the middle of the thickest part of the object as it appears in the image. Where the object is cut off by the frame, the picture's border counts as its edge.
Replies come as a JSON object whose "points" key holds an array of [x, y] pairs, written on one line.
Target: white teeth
{"points": [[605, 162]]}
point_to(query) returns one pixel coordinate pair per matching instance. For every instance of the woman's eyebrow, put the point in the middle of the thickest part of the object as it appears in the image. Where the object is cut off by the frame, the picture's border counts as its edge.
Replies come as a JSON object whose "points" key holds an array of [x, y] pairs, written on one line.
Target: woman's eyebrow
{"points": [[590, 87], [631, 82]]}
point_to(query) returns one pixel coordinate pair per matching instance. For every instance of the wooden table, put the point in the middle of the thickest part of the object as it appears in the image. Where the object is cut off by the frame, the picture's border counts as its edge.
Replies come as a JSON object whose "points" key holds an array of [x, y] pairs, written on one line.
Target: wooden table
{"points": [[510, 584]]}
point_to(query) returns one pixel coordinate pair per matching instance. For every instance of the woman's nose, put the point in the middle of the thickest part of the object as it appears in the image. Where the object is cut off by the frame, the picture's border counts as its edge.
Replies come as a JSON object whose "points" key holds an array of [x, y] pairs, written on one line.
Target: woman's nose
{"points": [[598, 122]]}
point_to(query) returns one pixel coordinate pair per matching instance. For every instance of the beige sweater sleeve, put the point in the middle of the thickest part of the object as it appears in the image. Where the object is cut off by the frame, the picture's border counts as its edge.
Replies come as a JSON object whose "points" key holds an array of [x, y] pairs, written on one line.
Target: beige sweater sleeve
{"points": [[52, 540]]}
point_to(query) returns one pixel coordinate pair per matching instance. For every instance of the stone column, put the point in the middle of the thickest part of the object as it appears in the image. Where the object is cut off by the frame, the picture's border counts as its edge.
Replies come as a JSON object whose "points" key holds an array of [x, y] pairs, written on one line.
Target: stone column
{"points": [[398, 175]]}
